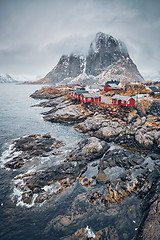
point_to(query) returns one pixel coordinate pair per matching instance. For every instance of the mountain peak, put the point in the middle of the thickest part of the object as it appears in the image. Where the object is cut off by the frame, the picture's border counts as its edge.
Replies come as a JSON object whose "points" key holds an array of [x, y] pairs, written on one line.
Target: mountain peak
{"points": [[107, 43], [104, 51], [6, 78]]}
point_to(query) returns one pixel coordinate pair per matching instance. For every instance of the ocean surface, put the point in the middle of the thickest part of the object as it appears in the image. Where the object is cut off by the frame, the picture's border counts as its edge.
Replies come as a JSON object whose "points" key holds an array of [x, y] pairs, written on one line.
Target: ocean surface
{"points": [[17, 119]]}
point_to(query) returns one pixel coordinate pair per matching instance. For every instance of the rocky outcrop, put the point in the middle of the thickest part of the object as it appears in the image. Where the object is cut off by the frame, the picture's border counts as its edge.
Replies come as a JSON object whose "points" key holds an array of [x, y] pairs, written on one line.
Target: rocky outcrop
{"points": [[134, 132], [122, 158], [67, 114], [150, 204], [88, 150], [26, 148], [113, 204], [38, 186], [46, 93]]}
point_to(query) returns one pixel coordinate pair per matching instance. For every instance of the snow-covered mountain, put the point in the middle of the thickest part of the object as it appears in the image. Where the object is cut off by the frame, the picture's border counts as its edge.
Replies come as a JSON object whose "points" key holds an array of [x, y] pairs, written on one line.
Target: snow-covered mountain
{"points": [[123, 70], [67, 67], [6, 78], [107, 58], [83, 79]]}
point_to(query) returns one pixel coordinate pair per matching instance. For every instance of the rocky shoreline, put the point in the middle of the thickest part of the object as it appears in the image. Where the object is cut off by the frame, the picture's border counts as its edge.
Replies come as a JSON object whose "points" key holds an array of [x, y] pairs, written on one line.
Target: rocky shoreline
{"points": [[133, 127], [117, 168]]}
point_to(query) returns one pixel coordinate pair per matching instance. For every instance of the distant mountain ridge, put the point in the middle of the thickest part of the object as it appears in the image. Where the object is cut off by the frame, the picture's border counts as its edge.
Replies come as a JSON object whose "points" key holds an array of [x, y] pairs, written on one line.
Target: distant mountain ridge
{"points": [[6, 78], [107, 57]]}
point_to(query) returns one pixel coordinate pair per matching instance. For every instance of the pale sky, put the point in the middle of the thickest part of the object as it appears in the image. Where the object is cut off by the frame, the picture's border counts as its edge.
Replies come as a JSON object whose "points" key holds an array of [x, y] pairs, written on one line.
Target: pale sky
{"points": [[35, 33]]}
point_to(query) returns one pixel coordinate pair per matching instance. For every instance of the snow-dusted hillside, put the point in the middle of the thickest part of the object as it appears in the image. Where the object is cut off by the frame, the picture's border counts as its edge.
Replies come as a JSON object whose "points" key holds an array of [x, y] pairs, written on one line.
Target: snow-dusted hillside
{"points": [[83, 78], [6, 78], [123, 70], [107, 58]]}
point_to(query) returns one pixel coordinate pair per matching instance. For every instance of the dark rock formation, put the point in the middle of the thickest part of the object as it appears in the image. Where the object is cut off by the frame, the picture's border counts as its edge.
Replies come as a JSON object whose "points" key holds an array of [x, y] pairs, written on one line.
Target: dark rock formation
{"points": [[104, 51], [154, 109], [122, 158], [67, 113], [35, 145], [88, 150], [67, 67], [36, 187], [135, 132], [150, 204]]}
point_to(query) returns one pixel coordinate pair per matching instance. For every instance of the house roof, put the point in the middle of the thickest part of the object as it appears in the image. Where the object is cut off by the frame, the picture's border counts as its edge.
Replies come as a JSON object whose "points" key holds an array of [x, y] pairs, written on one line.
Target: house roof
{"points": [[92, 95], [79, 92], [113, 85], [112, 82], [154, 89], [120, 97]]}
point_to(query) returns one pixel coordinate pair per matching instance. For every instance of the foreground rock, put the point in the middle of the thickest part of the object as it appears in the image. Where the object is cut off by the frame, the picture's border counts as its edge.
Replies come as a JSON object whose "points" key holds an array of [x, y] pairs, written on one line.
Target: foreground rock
{"points": [[68, 114], [122, 158], [111, 209], [88, 150], [26, 148], [140, 133], [36, 187], [150, 205]]}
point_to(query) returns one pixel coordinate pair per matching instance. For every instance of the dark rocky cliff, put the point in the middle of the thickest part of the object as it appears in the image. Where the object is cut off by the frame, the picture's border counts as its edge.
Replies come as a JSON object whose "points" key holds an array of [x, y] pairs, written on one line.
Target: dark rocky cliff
{"points": [[104, 51]]}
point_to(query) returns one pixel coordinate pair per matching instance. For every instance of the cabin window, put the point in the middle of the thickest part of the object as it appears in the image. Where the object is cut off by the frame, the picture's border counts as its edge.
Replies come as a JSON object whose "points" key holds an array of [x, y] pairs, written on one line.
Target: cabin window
{"points": [[122, 101], [89, 99], [128, 102]]}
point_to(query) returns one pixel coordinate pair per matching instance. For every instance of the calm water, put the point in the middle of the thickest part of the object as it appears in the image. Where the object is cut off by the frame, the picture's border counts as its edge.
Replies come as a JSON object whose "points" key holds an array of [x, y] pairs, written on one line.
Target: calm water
{"points": [[17, 119]]}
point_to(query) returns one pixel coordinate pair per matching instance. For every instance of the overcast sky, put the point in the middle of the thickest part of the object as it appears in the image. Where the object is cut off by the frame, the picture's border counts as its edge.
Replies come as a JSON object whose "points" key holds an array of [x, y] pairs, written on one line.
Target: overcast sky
{"points": [[35, 33]]}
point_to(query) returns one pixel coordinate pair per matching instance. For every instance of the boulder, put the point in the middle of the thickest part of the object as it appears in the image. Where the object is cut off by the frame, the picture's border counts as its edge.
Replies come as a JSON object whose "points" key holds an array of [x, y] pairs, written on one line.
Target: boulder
{"points": [[102, 178], [88, 150], [131, 116], [28, 147], [68, 114], [41, 185]]}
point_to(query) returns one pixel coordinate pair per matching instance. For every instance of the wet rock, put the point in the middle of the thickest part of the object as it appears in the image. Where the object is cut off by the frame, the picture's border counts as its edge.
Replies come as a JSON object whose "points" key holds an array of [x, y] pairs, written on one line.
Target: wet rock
{"points": [[122, 158], [68, 114], [131, 116], [87, 182], [150, 204], [41, 185], [88, 234], [154, 156], [27, 197], [35, 145], [102, 178], [88, 150]]}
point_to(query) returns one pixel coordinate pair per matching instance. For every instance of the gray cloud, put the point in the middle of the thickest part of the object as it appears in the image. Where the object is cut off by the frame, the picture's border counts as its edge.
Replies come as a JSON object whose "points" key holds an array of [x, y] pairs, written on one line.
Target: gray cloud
{"points": [[35, 33]]}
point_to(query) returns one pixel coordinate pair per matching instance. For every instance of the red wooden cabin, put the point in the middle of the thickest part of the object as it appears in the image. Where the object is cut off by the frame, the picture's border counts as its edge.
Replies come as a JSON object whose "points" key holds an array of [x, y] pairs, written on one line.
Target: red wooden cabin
{"points": [[90, 97], [77, 94], [110, 87], [123, 100]]}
